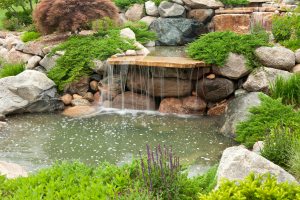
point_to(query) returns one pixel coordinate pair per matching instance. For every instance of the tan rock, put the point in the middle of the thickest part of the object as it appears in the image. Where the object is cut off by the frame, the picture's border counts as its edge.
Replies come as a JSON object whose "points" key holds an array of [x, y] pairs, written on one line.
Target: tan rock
{"points": [[148, 19], [217, 110], [47, 50], [107, 104], [201, 15], [2, 124], [297, 56], [130, 53], [12, 170], [296, 69], [211, 76], [14, 56], [33, 62], [78, 87], [76, 96], [260, 144], [26, 57], [4, 54], [97, 99], [2, 34], [203, 4], [135, 12], [80, 102], [171, 106], [34, 48], [194, 105], [89, 96], [67, 99], [238, 23], [79, 111], [94, 86]]}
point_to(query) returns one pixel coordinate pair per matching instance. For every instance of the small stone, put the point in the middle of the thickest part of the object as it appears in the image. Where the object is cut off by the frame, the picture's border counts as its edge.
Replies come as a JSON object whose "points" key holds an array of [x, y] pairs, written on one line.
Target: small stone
{"points": [[80, 102], [97, 99], [67, 99], [135, 12], [217, 110], [89, 96], [211, 76], [296, 69], [151, 9], [12, 170], [2, 124], [194, 93], [148, 19], [47, 50], [240, 92], [94, 86], [259, 144], [76, 96], [60, 53], [149, 44], [79, 111], [130, 53], [114, 56], [33, 62]]}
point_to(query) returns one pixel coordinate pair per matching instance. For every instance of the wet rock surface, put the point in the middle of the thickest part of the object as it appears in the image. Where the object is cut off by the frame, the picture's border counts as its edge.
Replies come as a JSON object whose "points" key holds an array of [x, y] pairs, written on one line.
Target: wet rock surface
{"points": [[78, 87], [79, 111], [80, 102]]}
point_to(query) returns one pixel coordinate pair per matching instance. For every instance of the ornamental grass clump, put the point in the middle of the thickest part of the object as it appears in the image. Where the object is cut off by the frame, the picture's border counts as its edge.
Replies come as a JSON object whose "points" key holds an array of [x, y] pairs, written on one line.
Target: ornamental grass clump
{"points": [[286, 88], [294, 160], [30, 36], [11, 69], [214, 48]]}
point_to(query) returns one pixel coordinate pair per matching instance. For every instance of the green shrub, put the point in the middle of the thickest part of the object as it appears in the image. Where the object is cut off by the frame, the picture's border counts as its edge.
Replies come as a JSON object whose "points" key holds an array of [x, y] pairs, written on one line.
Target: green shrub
{"points": [[157, 2], [126, 3], [281, 31], [286, 88], [30, 28], [234, 3], [11, 69], [11, 24], [214, 48], [29, 36], [255, 187], [293, 43], [104, 24], [24, 17], [79, 55], [267, 114], [294, 160], [259, 31], [278, 144]]}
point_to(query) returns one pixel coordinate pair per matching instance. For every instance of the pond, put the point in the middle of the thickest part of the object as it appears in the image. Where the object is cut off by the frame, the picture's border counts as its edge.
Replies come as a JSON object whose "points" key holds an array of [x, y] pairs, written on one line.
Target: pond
{"points": [[36, 140]]}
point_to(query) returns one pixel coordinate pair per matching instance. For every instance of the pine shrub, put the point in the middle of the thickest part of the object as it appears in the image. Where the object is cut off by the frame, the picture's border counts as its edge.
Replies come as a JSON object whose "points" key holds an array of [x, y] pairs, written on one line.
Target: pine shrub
{"points": [[51, 16], [214, 48]]}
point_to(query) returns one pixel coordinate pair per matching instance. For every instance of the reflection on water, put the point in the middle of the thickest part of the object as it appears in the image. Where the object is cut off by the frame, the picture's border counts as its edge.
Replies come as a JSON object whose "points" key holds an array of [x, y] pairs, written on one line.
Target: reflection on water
{"points": [[36, 140]]}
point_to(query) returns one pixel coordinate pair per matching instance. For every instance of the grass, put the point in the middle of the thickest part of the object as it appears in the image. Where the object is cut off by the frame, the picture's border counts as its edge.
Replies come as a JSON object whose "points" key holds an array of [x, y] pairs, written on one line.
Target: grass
{"points": [[11, 69], [286, 88], [294, 162], [30, 36]]}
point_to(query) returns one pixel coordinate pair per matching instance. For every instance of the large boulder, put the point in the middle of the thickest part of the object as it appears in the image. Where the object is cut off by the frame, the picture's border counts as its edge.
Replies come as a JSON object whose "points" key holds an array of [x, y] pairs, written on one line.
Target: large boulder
{"points": [[234, 68], [131, 100], [201, 15], [78, 87], [34, 48], [237, 163], [196, 4], [49, 62], [135, 12], [168, 9], [29, 91], [175, 31], [151, 9], [259, 81], [238, 23], [127, 33], [12, 170], [159, 87], [236, 111], [215, 90], [276, 57]]}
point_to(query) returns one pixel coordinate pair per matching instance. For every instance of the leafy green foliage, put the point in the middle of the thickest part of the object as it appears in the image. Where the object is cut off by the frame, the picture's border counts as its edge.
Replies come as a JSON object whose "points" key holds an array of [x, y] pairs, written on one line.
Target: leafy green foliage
{"points": [[294, 161], [24, 17], [105, 181], [286, 88], [267, 114], [30, 36], [293, 43], [126, 3], [214, 48], [260, 31], [278, 144], [11, 24], [157, 2], [255, 187], [11, 69], [234, 3], [79, 54], [104, 24]]}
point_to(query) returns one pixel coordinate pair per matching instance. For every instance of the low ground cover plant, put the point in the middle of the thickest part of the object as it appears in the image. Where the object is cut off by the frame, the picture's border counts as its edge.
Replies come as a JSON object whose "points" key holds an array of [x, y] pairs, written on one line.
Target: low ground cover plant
{"points": [[265, 116], [286, 88], [127, 3], [156, 175], [234, 3], [10, 69], [254, 187], [30, 36], [214, 48]]}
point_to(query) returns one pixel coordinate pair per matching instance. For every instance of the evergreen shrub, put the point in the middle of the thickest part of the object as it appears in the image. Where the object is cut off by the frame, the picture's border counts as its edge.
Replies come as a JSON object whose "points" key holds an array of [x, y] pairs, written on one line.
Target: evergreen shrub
{"points": [[214, 48], [24, 17], [30, 36], [268, 114], [255, 187]]}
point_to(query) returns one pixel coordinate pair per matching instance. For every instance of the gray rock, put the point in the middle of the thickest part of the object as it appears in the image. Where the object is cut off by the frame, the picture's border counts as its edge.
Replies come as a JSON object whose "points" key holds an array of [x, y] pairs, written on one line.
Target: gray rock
{"points": [[48, 49], [49, 62], [215, 90], [122, 19], [2, 41], [180, 2], [40, 69], [29, 91], [261, 79], [20, 46], [240, 92], [26, 57], [4, 54], [276, 57], [135, 12], [96, 77], [33, 62], [168, 9], [188, 8], [148, 19], [78, 87], [201, 15], [234, 68], [34, 48], [80, 102], [149, 44], [12, 170], [237, 163], [236, 111], [297, 56], [203, 4], [151, 9], [100, 66], [175, 31]]}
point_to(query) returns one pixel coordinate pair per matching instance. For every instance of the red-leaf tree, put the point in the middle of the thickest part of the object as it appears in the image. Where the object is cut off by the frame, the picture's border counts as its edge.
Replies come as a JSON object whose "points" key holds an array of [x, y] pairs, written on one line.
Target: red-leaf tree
{"points": [[65, 15]]}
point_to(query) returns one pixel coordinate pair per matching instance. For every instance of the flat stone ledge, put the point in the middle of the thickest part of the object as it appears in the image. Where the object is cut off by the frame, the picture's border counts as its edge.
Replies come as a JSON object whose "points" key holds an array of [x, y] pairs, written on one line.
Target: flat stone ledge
{"points": [[172, 62]]}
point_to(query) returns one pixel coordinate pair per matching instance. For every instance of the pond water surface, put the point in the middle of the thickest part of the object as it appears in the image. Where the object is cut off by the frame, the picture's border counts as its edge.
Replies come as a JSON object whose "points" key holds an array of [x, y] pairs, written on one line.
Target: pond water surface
{"points": [[36, 140]]}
